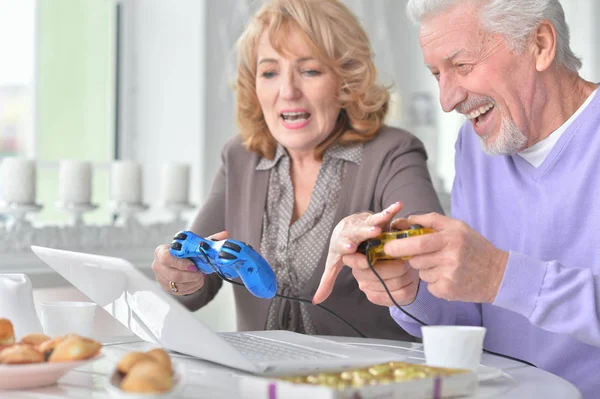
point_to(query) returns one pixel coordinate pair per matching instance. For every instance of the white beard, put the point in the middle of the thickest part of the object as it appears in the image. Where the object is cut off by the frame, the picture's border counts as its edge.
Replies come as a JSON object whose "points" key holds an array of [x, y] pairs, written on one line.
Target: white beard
{"points": [[510, 140]]}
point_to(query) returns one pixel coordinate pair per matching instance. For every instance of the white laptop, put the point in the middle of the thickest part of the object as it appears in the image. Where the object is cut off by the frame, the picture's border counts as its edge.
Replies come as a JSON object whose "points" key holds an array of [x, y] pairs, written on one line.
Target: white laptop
{"points": [[141, 305]]}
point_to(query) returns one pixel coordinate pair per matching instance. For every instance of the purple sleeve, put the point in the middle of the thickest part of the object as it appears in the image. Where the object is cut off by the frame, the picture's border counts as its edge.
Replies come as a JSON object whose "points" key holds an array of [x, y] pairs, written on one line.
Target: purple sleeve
{"points": [[553, 297], [431, 310]]}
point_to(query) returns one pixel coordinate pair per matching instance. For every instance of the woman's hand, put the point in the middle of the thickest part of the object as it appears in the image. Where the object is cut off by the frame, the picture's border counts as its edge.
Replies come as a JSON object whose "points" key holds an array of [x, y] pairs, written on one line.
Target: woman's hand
{"points": [[401, 280], [182, 272], [345, 239]]}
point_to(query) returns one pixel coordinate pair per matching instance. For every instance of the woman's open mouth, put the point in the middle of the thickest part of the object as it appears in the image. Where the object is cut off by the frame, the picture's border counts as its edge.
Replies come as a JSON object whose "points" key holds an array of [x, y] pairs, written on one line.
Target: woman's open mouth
{"points": [[295, 120]]}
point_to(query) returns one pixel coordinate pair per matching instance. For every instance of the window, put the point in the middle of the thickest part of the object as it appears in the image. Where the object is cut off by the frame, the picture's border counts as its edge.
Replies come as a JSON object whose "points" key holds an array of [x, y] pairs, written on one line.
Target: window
{"points": [[76, 55], [57, 91], [16, 76]]}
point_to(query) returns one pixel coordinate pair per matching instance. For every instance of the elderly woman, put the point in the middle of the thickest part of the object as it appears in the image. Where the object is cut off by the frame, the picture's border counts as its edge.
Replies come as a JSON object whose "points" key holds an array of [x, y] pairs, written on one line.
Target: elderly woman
{"points": [[312, 149]]}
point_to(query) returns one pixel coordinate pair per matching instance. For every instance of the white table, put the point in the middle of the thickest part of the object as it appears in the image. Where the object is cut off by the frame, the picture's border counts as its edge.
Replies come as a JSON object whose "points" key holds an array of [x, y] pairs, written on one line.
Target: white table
{"points": [[206, 380]]}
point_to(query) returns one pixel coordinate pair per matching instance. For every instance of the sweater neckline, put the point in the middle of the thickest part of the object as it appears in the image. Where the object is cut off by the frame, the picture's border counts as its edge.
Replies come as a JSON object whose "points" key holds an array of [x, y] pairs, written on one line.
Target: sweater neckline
{"points": [[559, 146]]}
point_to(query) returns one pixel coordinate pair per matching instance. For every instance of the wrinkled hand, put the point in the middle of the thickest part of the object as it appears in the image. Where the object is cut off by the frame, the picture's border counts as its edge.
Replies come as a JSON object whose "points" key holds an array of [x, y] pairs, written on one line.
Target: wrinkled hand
{"points": [[183, 272], [457, 263], [346, 237]]}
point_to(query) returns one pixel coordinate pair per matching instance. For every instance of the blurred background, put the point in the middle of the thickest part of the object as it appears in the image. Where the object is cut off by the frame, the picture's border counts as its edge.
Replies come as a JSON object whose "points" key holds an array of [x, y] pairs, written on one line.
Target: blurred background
{"points": [[150, 81]]}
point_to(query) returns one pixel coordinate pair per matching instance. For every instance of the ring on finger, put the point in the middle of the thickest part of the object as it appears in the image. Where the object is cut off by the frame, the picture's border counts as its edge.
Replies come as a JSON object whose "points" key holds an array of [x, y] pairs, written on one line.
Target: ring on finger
{"points": [[173, 286]]}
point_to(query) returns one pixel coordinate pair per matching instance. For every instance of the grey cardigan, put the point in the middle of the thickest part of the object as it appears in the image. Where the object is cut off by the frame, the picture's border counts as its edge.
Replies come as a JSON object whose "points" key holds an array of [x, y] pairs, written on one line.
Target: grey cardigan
{"points": [[393, 169]]}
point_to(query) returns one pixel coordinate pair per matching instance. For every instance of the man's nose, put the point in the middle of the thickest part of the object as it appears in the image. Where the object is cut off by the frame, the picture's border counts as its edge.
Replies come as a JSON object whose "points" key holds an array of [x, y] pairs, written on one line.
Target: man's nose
{"points": [[451, 93]]}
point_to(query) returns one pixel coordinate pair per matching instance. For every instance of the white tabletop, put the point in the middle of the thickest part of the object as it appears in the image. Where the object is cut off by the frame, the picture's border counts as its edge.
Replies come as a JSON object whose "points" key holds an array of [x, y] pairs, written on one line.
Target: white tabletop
{"points": [[207, 380]]}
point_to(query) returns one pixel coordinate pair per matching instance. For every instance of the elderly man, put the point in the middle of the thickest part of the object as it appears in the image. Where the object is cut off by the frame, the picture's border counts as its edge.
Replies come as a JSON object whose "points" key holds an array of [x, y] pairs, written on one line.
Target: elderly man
{"points": [[521, 255]]}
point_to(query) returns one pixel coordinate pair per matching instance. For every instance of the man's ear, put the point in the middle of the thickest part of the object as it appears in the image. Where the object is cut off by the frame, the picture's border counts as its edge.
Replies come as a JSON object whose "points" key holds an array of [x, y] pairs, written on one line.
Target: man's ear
{"points": [[544, 45]]}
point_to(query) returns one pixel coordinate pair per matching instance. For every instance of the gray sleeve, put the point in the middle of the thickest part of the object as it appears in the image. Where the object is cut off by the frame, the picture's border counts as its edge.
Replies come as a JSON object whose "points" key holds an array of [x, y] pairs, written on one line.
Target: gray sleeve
{"points": [[209, 220], [404, 177]]}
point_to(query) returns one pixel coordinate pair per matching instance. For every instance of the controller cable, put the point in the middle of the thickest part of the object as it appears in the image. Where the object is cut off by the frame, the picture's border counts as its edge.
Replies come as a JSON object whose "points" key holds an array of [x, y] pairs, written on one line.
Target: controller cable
{"points": [[222, 277], [425, 324]]}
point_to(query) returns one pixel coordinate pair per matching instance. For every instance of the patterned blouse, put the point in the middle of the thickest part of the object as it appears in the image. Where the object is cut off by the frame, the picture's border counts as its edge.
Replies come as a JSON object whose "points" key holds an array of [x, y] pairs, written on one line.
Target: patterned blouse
{"points": [[293, 251]]}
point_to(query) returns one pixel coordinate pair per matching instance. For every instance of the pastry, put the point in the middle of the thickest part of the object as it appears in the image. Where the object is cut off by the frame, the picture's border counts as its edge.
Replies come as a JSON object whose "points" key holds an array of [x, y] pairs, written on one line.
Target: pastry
{"points": [[7, 332], [20, 354], [147, 377], [130, 359], [162, 357], [48, 346], [73, 348], [5, 346], [34, 339]]}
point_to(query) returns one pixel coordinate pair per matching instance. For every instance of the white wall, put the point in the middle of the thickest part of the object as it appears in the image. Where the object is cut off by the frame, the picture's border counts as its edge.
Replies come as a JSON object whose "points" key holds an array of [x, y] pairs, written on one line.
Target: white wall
{"points": [[582, 17], [163, 84]]}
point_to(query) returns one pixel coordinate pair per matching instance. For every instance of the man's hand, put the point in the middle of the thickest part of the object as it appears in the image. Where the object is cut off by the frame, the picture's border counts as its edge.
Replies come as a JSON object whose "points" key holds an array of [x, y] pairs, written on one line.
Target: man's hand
{"points": [[457, 263]]}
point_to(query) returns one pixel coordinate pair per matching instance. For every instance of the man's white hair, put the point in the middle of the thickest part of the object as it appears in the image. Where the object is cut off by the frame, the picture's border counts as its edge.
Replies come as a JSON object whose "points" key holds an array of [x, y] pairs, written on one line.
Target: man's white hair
{"points": [[513, 19]]}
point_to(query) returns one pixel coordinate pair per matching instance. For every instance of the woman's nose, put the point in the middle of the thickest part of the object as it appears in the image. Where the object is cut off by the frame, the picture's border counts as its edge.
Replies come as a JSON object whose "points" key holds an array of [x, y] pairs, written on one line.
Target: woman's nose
{"points": [[289, 89]]}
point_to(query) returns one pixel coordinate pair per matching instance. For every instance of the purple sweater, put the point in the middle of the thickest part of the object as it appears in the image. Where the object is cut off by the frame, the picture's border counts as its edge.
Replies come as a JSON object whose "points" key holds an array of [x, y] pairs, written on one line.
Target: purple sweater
{"points": [[547, 310]]}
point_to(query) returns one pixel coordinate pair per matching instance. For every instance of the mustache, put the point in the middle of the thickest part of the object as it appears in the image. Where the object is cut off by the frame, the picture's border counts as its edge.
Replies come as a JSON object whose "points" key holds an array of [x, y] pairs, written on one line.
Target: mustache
{"points": [[471, 103]]}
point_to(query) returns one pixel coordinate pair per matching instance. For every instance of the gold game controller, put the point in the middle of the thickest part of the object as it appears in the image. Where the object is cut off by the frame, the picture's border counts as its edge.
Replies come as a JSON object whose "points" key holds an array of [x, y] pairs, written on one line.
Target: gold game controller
{"points": [[373, 247]]}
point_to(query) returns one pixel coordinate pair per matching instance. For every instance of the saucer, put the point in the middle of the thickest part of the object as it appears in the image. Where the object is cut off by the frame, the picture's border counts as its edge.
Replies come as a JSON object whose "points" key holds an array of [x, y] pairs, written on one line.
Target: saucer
{"points": [[486, 373]]}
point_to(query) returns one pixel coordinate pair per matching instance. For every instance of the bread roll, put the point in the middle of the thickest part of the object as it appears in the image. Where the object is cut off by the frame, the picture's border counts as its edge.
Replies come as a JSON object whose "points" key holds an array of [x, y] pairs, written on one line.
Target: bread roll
{"points": [[147, 377], [130, 359], [75, 348], [162, 357], [34, 339], [7, 332], [20, 354]]}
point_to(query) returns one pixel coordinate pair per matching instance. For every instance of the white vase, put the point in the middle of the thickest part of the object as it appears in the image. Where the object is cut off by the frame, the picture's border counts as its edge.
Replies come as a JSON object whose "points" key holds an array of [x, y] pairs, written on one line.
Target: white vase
{"points": [[16, 304]]}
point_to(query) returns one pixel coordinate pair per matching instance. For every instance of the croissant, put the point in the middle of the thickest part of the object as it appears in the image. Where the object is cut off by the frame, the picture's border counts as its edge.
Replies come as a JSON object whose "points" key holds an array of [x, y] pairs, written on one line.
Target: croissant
{"points": [[74, 348], [7, 332], [48, 346], [34, 339], [20, 354]]}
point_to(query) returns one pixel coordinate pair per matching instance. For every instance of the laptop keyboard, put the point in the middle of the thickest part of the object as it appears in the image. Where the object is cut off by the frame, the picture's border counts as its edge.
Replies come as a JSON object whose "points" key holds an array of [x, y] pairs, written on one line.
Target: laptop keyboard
{"points": [[260, 349]]}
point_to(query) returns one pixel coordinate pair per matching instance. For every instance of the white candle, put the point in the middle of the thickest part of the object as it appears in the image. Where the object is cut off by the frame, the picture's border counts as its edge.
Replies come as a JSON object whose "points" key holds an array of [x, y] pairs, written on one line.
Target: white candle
{"points": [[175, 183], [126, 182], [74, 182], [18, 180]]}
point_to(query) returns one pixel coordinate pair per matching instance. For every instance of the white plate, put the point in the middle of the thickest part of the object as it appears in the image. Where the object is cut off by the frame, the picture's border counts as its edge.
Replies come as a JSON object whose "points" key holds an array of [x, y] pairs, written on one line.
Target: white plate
{"points": [[112, 384], [34, 375], [486, 373]]}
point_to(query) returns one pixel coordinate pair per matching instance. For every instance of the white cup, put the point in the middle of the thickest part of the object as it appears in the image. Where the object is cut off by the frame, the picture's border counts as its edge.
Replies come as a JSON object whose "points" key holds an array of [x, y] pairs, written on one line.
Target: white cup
{"points": [[68, 317], [453, 346]]}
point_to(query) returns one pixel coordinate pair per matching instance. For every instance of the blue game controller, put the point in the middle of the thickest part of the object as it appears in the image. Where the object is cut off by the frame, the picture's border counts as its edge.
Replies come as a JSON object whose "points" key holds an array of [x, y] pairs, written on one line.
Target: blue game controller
{"points": [[229, 258]]}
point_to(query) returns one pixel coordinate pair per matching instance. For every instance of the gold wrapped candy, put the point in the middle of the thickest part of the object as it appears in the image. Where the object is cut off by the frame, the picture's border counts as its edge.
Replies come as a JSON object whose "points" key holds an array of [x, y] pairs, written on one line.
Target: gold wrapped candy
{"points": [[385, 373]]}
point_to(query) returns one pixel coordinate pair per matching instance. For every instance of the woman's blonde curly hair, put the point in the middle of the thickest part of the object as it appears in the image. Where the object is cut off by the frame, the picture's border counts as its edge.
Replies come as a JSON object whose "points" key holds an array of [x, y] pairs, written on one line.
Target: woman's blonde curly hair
{"points": [[337, 39]]}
